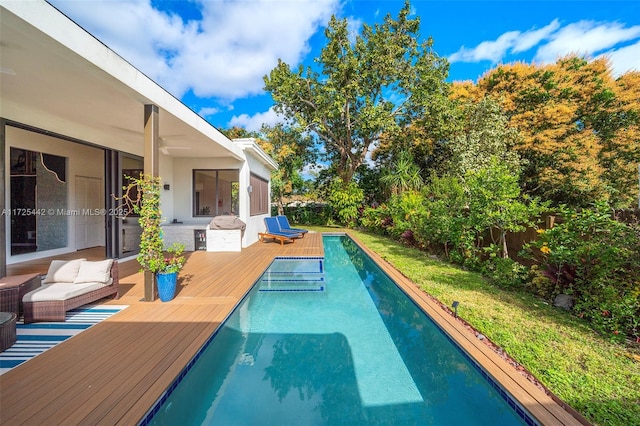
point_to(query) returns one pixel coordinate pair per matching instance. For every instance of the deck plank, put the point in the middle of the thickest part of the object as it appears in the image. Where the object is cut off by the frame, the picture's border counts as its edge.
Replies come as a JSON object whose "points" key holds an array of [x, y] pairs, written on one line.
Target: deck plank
{"points": [[114, 371]]}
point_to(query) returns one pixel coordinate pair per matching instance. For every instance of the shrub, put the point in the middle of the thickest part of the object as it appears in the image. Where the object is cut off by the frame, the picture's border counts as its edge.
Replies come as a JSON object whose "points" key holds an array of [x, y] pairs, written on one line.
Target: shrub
{"points": [[504, 272], [310, 214], [346, 200], [444, 221], [596, 259], [377, 219], [406, 211]]}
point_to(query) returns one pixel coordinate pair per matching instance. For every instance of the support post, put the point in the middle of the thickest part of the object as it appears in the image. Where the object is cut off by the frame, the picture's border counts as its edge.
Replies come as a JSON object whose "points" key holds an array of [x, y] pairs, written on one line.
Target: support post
{"points": [[151, 141], [3, 206], [151, 167], [149, 286]]}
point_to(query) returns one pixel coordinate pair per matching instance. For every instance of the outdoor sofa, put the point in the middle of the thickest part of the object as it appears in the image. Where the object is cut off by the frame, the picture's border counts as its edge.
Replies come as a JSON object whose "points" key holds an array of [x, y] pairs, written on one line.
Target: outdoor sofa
{"points": [[68, 285]]}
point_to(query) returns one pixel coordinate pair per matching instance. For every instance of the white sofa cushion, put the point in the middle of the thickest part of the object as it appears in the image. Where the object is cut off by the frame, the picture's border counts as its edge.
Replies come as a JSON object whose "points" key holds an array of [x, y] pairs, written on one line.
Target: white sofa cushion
{"points": [[90, 272], [60, 291], [62, 271]]}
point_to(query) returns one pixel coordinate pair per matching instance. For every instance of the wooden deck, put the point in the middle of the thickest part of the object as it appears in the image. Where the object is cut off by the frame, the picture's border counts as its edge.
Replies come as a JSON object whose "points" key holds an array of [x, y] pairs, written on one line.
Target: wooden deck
{"points": [[114, 372]]}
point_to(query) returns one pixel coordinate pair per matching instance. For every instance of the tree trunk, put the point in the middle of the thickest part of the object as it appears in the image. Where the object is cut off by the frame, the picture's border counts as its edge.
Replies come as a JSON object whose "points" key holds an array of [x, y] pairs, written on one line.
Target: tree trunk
{"points": [[505, 250]]}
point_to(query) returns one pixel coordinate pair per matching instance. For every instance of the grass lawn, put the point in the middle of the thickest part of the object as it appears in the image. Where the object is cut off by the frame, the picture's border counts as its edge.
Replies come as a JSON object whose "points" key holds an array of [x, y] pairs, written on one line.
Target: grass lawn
{"points": [[598, 378]]}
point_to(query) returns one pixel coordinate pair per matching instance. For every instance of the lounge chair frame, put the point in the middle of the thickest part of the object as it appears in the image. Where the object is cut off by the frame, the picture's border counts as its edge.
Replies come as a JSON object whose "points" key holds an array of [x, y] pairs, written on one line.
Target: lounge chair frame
{"points": [[55, 310], [283, 239]]}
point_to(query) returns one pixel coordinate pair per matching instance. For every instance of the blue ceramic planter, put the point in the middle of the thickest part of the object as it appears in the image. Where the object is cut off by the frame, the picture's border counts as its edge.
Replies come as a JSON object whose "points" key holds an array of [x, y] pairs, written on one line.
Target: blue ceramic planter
{"points": [[167, 285]]}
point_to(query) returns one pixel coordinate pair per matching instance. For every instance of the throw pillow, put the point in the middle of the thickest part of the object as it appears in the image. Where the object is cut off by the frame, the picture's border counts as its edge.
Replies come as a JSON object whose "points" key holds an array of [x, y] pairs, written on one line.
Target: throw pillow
{"points": [[62, 271], [91, 272]]}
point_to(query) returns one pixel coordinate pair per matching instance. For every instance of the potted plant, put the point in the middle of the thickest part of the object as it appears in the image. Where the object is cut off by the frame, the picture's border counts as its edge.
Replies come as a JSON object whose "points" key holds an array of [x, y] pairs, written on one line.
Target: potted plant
{"points": [[143, 194], [167, 271]]}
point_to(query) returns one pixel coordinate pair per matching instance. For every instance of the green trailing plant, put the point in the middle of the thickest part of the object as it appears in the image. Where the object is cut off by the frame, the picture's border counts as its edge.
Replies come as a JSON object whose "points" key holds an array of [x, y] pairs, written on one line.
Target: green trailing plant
{"points": [[172, 261], [143, 194]]}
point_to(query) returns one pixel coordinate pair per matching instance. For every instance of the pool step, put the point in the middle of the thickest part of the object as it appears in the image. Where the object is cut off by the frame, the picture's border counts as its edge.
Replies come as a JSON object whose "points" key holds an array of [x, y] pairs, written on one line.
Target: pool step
{"points": [[294, 275]]}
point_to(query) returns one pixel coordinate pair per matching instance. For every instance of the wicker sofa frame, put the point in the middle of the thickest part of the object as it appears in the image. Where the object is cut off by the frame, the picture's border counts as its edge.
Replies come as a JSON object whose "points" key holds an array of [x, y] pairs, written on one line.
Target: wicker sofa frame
{"points": [[55, 310], [13, 291]]}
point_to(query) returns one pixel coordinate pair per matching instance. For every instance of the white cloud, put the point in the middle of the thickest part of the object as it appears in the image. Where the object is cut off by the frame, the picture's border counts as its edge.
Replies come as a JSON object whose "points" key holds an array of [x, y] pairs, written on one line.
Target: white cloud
{"points": [[487, 50], [254, 122], [354, 25], [530, 38], [585, 38], [205, 112], [625, 59], [143, 36], [223, 55]]}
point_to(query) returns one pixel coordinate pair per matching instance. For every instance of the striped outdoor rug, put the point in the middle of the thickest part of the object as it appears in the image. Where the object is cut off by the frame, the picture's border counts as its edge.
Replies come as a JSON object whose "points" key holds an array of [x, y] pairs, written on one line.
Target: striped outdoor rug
{"points": [[33, 339]]}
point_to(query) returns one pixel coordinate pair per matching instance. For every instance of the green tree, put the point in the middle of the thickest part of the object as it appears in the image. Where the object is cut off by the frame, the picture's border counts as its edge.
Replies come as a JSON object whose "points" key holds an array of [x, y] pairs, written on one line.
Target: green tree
{"points": [[446, 208], [579, 127], [361, 89], [369, 180], [485, 137], [292, 149], [346, 199], [496, 204], [239, 132]]}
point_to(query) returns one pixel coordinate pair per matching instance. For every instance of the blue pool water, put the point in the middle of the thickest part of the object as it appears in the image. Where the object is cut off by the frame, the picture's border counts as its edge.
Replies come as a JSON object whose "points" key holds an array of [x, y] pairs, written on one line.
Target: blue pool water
{"points": [[333, 342]]}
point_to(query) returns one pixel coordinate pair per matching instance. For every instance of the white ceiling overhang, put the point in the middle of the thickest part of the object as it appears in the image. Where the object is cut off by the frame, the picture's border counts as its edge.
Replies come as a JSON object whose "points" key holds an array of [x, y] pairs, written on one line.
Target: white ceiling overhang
{"points": [[250, 146], [57, 77]]}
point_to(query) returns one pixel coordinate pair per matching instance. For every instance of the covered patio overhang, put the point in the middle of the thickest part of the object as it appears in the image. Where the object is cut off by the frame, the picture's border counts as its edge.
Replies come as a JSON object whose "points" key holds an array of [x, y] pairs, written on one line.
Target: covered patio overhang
{"points": [[58, 79]]}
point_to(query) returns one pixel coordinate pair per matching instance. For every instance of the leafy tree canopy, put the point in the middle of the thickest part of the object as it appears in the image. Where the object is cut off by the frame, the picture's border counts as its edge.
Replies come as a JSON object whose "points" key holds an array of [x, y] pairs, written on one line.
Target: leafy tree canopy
{"points": [[484, 137], [292, 149], [580, 127], [361, 88]]}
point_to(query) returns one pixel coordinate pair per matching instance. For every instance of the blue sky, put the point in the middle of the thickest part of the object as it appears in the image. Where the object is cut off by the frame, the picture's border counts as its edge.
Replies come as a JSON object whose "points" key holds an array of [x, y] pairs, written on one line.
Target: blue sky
{"points": [[213, 54]]}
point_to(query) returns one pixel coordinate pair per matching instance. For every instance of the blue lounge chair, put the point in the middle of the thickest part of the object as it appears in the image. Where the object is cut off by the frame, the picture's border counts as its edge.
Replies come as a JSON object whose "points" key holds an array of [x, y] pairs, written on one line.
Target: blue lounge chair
{"points": [[284, 225], [274, 232]]}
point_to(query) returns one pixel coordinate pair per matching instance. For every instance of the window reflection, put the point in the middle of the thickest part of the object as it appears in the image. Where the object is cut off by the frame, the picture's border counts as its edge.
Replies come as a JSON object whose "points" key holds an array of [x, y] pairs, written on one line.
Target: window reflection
{"points": [[38, 201], [215, 192]]}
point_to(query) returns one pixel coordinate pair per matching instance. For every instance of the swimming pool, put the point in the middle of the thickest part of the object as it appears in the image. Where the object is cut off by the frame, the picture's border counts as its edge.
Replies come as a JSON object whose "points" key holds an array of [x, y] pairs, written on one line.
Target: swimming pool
{"points": [[332, 341]]}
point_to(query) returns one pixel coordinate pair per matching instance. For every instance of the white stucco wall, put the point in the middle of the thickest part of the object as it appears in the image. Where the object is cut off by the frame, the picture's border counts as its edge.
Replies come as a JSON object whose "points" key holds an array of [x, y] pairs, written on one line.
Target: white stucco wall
{"points": [[167, 196], [181, 193], [255, 224]]}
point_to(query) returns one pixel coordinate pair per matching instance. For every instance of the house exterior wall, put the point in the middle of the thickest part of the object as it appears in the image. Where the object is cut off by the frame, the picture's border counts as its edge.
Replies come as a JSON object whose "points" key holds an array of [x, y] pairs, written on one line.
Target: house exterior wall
{"points": [[167, 196], [181, 192], [255, 224]]}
